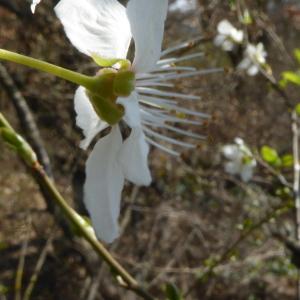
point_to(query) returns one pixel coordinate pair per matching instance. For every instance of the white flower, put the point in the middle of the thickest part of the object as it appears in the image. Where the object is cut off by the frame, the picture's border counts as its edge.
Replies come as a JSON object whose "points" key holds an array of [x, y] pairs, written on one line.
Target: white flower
{"points": [[228, 36], [183, 5], [241, 161], [34, 4], [105, 28], [254, 59]]}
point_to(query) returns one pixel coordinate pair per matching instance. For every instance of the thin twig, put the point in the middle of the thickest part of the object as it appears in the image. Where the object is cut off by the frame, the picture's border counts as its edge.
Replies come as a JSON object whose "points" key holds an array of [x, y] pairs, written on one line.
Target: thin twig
{"points": [[38, 268], [10, 5], [263, 20], [125, 278], [26, 118], [85, 288], [296, 185], [274, 172], [24, 150], [177, 253], [32, 133], [20, 271]]}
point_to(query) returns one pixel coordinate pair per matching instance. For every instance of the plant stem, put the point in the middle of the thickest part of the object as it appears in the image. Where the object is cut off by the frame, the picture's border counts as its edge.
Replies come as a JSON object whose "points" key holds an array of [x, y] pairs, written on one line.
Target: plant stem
{"points": [[295, 131], [296, 184], [123, 277], [78, 78], [4, 123]]}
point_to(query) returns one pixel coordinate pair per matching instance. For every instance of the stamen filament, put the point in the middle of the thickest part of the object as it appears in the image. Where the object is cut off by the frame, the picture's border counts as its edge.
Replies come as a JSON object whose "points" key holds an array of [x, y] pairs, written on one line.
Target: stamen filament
{"points": [[167, 139], [168, 150], [179, 59], [181, 46], [149, 91]]}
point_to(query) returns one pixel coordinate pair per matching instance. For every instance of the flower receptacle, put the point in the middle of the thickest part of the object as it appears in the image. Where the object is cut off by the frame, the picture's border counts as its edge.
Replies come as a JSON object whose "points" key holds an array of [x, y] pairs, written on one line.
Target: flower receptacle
{"points": [[112, 83], [124, 83], [108, 85]]}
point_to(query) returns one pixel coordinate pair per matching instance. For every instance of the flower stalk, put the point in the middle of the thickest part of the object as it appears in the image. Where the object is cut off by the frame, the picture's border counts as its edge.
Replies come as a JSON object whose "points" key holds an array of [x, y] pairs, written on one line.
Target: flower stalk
{"points": [[75, 77], [23, 149]]}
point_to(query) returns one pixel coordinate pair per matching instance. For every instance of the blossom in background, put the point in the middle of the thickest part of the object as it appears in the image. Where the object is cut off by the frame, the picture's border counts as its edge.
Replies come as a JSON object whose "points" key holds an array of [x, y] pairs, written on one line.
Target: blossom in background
{"points": [[104, 29], [34, 4], [183, 5], [254, 59], [228, 36], [241, 160]]}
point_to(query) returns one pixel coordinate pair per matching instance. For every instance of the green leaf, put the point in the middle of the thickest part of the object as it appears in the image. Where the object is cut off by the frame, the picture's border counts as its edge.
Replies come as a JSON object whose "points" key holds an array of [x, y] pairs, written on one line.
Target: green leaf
{"points": [[287, 160], [284, 192], [246, 225], [297, 55], [297, 109], [246, 18], [3, 289], [3, 245], [270, 156], [172, 292], [232, 4], [211, 261], [290, 77]]}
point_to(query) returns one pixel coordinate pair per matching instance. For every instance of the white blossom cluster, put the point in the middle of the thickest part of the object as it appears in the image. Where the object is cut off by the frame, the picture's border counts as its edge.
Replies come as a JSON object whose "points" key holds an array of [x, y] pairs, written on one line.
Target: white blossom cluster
{"points": [[228, 38], [240, 160], [183, 5]]}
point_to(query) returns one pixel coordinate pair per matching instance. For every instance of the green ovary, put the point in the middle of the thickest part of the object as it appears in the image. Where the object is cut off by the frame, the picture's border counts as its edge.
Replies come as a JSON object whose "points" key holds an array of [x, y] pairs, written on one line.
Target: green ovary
{"points": [[109, 85], [124, 83]]}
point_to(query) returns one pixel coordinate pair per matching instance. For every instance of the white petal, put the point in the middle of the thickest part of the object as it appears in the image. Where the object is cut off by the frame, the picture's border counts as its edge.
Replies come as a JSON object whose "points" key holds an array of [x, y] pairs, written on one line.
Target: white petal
{"points": [[34, 4], [239, 141], [183, 6], [253, 70], [219, 40], [103, 186], [230, 151], [237, 35], [246, 172], [232, 167], [251, 50], [134, 158], [260, 48], [225, 27], [86, 118], [244, 64], [261, 54], [147, 18], [96, 26], [132, 111], [228, 45]]}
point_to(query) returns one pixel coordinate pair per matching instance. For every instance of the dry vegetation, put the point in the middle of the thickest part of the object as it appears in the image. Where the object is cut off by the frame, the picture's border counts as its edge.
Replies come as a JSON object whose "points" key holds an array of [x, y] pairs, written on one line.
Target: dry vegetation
{"points": [[193, 212]]}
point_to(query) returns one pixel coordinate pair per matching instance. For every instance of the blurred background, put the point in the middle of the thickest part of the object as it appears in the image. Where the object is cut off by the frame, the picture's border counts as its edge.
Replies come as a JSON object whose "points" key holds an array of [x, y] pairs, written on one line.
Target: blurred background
{"points": [[175, 230]]}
